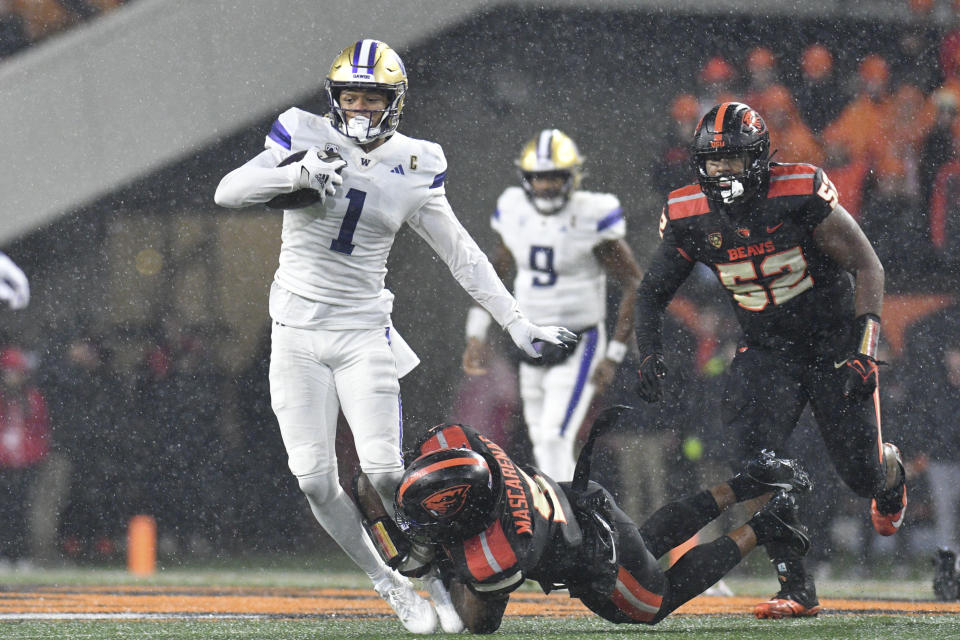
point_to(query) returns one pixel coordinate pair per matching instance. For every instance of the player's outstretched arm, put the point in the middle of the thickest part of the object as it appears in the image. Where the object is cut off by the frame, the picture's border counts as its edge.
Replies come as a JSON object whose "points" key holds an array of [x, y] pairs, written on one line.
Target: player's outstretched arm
{"points": [[841, 238], [666, 273], [477, 352], [621, 267], [257, 181], [476, 355], [14, 286], [436, 223]]}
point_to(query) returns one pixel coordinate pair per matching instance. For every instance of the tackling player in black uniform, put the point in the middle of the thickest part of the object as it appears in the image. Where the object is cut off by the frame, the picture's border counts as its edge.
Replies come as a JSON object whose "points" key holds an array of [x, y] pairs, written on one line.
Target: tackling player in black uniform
{"points": [[784, 249], [490, 524]]}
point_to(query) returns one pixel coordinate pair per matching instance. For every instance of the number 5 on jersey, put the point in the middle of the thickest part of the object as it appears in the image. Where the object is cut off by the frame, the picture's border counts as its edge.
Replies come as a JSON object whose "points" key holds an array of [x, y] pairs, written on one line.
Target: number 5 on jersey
{"points": [[828, 192], [788, 270]]}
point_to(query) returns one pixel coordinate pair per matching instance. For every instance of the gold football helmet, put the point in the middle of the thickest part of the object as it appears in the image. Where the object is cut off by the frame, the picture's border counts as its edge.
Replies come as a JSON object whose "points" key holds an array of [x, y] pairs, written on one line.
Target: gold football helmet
{"points": [[551, 155], [372, 65]]}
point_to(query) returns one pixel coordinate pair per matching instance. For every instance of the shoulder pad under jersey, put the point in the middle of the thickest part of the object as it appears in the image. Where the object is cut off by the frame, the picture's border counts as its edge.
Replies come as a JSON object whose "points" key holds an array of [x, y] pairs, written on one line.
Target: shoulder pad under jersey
{"points": [[424, 156], [794, 179], [686, 202], [512, 199], [602, 208], [288, 124]]}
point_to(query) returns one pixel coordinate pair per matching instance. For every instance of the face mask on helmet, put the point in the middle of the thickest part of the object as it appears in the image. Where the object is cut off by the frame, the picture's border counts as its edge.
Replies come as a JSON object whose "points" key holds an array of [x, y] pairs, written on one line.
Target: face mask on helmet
{"points": [[368, 65], [448, 495], [362, 123], [547, 190], [551, 168], [735, 133]]}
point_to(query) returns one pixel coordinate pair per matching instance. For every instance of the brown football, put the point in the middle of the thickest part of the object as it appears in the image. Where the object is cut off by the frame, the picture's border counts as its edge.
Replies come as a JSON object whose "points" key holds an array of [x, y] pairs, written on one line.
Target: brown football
{"points": [[295, 199]]}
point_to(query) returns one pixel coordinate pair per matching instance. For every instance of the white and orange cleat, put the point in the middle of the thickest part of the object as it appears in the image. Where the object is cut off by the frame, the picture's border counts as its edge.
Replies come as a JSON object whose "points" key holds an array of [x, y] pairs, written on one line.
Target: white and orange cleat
{"points": [[887, 509], [784, 607], [796, 599]]}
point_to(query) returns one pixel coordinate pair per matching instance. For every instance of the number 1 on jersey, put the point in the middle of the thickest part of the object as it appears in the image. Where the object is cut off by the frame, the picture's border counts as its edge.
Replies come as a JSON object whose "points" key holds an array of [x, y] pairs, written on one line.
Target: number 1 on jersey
{"points": [[343, 243]]}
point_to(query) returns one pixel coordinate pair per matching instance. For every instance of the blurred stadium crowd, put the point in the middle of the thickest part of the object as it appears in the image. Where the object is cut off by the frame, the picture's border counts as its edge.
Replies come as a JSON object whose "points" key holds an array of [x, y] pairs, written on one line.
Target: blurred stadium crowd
{"points": [[27, 22], [151, 418]]}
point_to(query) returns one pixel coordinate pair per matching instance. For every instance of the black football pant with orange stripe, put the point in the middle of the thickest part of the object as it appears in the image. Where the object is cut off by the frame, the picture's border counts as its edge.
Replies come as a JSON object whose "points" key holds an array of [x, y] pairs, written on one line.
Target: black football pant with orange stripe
{"points": [[765, 395], [644, 593]]}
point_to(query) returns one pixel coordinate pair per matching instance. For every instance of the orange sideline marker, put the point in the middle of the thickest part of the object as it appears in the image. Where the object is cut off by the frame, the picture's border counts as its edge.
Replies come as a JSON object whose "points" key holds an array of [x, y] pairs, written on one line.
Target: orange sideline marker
{"points": [[142, 545]]}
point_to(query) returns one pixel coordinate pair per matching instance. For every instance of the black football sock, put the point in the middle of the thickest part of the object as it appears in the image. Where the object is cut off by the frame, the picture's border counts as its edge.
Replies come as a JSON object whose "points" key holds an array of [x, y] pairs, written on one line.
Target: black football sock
{"points": [[795, 582], [675, 523], [698, 570], [766, 527], [746, 488]]}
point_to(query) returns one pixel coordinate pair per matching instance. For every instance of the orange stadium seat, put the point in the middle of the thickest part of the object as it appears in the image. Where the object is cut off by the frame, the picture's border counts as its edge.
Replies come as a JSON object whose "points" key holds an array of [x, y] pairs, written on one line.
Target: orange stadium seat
{"points": [[43, 17], [105, 5]]}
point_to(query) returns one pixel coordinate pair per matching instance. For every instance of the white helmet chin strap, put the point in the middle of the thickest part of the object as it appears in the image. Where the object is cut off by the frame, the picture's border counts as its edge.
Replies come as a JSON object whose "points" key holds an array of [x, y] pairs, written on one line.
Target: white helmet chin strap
{"points": [[730, 190], [359, 127]]}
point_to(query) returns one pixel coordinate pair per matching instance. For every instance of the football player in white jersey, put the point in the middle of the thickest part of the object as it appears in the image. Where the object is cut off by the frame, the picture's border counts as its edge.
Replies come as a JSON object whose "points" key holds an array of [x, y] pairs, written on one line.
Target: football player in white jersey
{"points": [[348, 182], [14, 286], [563, 244]]}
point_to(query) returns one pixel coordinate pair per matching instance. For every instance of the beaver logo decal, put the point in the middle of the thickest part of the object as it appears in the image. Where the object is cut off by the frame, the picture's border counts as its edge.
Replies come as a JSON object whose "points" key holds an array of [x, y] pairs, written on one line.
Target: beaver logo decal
{"points": [[446, 503]]}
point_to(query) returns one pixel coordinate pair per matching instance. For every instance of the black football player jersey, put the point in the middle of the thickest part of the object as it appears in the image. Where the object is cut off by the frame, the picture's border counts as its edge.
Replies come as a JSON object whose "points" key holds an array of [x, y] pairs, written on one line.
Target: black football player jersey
{"points": [[785, 291], [533, 515]]}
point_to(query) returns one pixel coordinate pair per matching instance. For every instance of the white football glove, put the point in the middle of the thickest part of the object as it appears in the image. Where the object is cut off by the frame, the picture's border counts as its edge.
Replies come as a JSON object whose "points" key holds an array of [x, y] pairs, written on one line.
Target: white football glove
{"points": [[524, 334], [14, 286], [320, 171]]}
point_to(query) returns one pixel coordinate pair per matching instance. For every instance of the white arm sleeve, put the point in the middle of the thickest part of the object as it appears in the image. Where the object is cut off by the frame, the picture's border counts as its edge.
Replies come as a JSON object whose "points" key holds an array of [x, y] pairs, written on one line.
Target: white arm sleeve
{"points": [[14, 286], [436, 223], [257, 181]]}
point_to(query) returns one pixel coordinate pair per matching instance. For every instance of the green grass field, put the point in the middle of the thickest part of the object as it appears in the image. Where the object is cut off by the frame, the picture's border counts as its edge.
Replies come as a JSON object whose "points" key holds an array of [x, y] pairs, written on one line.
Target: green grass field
{"points": [[741, 627], [910, 614], [841, 627]]}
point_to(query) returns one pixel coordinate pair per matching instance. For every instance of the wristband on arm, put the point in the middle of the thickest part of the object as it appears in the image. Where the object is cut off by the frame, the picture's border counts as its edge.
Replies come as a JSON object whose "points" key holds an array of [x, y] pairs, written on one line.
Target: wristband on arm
{"points": [[616, 351], [478, 321], [868, 335], [860, 369]]}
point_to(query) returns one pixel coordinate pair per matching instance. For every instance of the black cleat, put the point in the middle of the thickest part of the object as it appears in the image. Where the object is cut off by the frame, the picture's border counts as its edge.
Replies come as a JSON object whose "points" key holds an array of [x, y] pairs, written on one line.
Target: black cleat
{"points": [[778, 473], [777, 522], [945, 585]]}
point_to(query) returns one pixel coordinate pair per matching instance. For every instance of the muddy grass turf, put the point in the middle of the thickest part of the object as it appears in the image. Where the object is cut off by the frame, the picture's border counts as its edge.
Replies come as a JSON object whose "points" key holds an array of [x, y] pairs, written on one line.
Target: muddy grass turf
{"points": [[130, 610]]}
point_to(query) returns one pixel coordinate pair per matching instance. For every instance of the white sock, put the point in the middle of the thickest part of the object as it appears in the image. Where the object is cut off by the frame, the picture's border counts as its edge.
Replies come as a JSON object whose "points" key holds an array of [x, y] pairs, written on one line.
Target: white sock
{"points": [[386, 484], [341, 519]]}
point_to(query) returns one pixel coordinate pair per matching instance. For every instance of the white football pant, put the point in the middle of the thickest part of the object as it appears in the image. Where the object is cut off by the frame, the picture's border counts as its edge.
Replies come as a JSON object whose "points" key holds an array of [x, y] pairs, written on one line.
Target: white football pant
{"points": [[315, 373], [556, 400]]}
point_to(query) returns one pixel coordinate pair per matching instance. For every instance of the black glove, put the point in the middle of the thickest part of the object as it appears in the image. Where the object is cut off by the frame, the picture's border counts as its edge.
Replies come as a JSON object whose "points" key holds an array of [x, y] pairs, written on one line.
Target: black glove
{"points": [[859, 376], [652, 370], [860, 368]]}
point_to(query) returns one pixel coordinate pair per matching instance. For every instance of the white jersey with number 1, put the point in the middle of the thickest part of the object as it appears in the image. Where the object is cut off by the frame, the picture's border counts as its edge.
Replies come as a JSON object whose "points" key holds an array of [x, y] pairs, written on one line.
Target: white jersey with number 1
{"points": [[333, 258]]}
